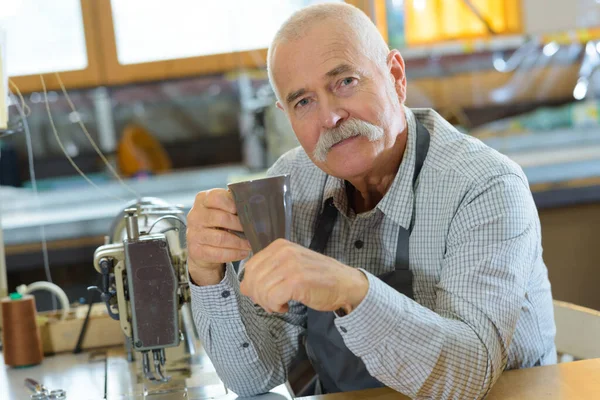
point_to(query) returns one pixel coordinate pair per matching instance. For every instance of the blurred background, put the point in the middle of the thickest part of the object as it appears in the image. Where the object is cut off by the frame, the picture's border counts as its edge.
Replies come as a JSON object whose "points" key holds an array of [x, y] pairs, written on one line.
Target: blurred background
{"points": [[176, 95]]}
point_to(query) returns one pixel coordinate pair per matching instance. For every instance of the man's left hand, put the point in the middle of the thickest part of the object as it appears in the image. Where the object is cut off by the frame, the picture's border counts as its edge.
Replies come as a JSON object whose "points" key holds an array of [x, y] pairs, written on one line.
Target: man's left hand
{"points": [[286, 271]]}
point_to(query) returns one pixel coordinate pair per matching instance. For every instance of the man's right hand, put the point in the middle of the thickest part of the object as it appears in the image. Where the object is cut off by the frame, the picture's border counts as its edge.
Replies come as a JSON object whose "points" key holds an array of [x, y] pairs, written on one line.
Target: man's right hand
{"points": [[210, 244]]}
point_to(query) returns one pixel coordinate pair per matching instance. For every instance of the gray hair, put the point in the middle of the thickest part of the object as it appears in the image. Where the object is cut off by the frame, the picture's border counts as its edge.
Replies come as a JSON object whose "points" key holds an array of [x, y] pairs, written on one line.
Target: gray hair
{"points": [[370, 41]]}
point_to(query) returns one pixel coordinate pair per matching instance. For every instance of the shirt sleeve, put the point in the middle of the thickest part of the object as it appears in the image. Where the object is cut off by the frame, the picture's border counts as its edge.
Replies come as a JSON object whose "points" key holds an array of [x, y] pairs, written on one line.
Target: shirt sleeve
{"points": [[249, 348], [460, 348]]}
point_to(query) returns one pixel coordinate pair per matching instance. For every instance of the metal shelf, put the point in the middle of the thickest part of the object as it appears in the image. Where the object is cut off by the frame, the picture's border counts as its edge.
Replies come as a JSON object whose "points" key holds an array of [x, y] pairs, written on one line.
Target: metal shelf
{"points": [[497, 43]]}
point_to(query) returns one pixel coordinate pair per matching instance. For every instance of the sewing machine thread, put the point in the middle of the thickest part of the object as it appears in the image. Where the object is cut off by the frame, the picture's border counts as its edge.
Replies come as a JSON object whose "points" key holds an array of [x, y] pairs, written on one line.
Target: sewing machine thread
{"points": [[20, 333]]}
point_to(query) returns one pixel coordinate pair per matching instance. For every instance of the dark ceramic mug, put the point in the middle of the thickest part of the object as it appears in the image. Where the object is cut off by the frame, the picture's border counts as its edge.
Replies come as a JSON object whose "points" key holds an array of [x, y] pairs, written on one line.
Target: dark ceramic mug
{"points": [[264, 207]]}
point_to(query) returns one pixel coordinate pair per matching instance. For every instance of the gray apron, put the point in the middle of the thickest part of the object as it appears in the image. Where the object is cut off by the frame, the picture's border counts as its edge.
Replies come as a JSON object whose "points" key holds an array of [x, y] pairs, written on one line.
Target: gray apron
{"points": [[338, 369]]}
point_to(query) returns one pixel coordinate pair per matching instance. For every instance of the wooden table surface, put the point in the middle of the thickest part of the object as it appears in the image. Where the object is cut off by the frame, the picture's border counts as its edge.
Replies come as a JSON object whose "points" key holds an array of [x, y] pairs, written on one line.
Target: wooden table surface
{"points": [[105, 374], [109, 376], [578, 380]]}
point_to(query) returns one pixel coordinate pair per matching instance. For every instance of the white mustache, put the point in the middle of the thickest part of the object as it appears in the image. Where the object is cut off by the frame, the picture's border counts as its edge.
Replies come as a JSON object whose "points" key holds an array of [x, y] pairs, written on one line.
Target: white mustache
{"points": [[350, 128]]}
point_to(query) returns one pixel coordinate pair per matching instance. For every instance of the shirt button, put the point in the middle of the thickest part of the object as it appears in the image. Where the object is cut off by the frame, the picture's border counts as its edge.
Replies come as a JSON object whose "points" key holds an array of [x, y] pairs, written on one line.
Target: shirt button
{"points": [[343, 329], [225, 294], [246, 345], [359, 244]]}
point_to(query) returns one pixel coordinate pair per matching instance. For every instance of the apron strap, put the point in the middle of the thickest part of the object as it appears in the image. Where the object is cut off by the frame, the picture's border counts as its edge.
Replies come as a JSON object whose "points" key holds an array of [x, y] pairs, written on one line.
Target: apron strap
{"points": [[325, 225], [402, 250], [422, 144], [403, 244]]}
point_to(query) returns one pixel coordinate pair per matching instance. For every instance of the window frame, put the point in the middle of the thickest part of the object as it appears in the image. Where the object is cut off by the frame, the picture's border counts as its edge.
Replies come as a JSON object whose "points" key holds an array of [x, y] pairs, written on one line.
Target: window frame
{"points": [[88, 77], [104, 68], [118, 74]]}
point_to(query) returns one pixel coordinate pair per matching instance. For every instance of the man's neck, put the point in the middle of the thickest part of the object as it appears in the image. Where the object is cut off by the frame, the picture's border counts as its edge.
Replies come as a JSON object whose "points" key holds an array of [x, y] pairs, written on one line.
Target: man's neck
{"points": [[368, 190]]}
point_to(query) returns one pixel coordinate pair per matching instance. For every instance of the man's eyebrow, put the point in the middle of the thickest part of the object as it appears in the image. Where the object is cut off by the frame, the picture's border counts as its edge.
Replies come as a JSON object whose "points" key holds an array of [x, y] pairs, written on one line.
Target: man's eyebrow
{"points": [[294, 95], [340, 69]]}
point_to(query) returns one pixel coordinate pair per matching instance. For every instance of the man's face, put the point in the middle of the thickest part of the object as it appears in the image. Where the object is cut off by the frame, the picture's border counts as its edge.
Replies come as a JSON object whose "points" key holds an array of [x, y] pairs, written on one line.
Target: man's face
{"points": [[344, 109]]}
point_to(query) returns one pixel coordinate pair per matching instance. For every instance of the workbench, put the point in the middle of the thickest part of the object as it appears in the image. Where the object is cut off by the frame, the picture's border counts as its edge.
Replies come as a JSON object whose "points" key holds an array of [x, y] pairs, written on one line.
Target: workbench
{"points": [[106, 374], [578, 380]]}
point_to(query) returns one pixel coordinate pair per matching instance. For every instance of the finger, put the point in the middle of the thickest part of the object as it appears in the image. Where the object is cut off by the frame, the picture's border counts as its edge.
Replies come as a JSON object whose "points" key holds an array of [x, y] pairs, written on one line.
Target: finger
{"points": [[251, 286], [280, 256], [211, 254], [259, 271], [269, 292], [283, 309], [213, 218], [269, 257], [220, 199], [218, 238], [265, 284], [268, 265], [278, 296]]}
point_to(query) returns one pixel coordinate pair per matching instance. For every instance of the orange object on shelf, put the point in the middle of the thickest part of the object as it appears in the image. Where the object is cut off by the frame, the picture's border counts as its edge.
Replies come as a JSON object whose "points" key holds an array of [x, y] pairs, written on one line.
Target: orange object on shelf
{"points": [[140, 153], [429, 21]]}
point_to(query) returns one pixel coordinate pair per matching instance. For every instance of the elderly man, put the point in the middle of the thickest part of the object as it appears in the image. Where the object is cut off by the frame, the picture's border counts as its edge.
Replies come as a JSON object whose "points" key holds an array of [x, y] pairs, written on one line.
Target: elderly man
{"points": [[415, 259]]}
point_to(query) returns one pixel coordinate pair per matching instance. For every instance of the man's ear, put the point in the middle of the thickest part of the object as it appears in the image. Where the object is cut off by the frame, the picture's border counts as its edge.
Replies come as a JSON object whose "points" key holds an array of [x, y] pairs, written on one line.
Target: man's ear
{"points": [[395, 64], [278, 104]]}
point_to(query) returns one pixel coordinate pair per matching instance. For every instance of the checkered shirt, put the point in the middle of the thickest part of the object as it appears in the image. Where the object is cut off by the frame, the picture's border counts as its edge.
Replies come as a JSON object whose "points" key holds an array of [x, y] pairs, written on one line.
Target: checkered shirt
{"points": [[483, 302]]}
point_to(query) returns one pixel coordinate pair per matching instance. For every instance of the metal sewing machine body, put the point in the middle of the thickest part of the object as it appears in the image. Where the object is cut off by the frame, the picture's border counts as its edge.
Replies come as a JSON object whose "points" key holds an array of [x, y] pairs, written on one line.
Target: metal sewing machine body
{"points": [[145, 279]]}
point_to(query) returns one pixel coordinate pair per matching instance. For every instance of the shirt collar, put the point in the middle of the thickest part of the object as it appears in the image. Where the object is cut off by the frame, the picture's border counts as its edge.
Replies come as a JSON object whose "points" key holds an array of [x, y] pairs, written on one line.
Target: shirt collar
{"points": [[336, 188], [397, 202]]}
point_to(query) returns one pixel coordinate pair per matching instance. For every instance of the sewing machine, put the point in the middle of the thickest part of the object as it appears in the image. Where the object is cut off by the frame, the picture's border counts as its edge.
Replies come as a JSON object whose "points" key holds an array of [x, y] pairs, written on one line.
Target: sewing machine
{"points": [[145, 279]]}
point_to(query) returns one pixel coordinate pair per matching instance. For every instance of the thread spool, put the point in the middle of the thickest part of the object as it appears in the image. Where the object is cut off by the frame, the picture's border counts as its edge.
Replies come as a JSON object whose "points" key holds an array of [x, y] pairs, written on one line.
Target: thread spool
{"points": [[20, 332]]}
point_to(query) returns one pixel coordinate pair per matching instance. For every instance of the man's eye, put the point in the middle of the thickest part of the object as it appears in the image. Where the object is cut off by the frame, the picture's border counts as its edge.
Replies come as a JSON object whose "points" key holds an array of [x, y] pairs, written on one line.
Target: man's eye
{"points": [[347, 81], [302, 103]]}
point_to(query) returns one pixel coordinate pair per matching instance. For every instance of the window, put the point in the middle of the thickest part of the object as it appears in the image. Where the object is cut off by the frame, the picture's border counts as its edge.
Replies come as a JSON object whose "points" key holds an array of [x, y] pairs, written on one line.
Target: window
{"points": [[156, 40], [155, 30], [112, 42], [43, 36], [426, 21]]}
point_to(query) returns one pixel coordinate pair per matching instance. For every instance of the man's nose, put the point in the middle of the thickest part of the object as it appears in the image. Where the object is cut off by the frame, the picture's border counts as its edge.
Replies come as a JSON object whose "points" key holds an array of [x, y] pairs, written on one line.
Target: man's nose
{"points": [[332, 114]]}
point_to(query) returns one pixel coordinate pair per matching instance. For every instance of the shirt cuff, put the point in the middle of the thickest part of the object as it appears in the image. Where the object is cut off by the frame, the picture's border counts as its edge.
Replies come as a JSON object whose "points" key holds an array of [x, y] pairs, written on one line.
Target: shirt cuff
{"points": [[372, 322], [220, 300]]}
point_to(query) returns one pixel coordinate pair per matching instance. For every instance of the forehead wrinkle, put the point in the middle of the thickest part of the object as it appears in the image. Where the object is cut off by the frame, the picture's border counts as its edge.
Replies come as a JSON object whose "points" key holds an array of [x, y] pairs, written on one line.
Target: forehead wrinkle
{"points": [[340, 45], [337, 50], [339, 59], [340, 52], [361, 70]]}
